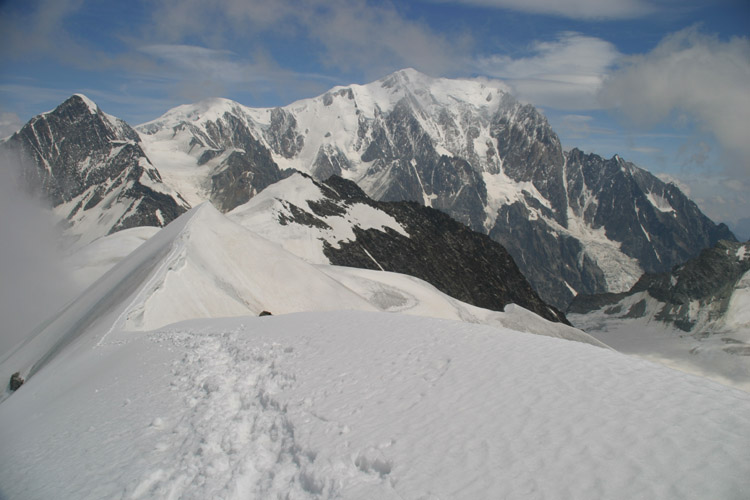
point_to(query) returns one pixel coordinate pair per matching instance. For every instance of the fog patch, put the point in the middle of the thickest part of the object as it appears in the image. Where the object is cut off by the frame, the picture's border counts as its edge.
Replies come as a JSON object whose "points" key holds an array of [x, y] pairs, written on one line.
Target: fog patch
{"points": [[33, 281]]}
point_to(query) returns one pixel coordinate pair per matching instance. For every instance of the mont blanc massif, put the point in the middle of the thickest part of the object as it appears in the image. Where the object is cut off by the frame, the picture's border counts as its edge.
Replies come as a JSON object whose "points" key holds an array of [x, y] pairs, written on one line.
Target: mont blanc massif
{"points": [[404, 289]]}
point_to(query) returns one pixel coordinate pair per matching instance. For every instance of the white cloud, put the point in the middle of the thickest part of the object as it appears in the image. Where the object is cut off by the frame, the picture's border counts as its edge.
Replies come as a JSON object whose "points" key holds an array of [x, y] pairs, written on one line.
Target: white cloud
{"points": [[565, 73], [575, 9], [350, 34], [194, 72], [33, 280], [671, 179], [9, 124], [692, 76], [647, 150], [720, 197]]}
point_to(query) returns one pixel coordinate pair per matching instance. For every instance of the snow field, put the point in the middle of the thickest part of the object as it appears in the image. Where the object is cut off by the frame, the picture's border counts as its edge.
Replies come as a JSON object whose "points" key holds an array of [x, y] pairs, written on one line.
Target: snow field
{"points": [[368, 405]]}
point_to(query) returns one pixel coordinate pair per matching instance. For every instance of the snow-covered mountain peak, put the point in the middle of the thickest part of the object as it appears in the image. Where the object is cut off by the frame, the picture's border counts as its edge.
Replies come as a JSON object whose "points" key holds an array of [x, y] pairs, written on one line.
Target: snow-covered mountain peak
{"points": [[93, 107], [480, 93], [78, 109], [405, 76], [463, 146], [466, 147], [210, 109]]}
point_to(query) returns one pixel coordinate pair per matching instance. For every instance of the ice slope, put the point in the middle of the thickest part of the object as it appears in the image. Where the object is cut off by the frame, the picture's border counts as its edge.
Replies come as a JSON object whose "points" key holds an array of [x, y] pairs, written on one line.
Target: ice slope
{"points": [[209, 237], [368, 405], [380, 290]]}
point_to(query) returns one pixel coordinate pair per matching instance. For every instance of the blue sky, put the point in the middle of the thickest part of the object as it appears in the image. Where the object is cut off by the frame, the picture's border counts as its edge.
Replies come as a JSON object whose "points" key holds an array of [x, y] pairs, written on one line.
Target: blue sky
{"points": [[662, 83]]}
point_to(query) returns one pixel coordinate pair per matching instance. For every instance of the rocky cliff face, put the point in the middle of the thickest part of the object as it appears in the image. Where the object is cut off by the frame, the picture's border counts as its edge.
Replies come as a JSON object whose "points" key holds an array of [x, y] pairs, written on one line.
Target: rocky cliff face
{"points": [[574, 223], [655, 222], [92, 169], [694, 297]]}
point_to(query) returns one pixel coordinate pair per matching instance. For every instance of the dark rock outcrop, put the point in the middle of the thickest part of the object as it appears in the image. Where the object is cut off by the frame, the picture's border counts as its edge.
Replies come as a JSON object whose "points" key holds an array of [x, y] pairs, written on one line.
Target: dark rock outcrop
{"points": [[16, 381], [462, 263]]}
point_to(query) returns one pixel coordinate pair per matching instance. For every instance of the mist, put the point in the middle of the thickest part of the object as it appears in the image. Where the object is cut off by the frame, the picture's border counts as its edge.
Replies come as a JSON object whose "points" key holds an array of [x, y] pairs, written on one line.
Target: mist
{"points": [[33, 281]]}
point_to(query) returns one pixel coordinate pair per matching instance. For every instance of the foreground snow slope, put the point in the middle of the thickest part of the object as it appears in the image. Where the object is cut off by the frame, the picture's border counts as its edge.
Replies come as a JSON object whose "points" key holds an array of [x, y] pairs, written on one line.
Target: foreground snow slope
{"points": [[368, 405]]}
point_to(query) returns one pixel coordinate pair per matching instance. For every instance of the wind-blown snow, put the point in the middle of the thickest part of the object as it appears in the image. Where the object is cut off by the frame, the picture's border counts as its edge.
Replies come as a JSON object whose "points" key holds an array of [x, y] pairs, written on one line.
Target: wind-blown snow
{"points": [[367, 405]]}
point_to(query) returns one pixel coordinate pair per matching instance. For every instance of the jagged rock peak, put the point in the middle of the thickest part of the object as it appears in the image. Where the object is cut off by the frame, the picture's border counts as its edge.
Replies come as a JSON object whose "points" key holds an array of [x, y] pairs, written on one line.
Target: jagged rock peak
{"points": [[76, 101], [92, 169], [79, 109]]}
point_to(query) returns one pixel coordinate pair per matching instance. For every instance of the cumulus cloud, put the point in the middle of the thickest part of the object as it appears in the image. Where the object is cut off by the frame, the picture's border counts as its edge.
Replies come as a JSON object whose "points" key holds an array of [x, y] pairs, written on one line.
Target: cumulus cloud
{"points": [[689, 77], [575, 9], [564, 73]]}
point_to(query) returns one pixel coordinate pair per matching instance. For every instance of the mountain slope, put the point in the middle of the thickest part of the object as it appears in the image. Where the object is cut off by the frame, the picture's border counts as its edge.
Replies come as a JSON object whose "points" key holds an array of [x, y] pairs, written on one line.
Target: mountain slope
{"points": [[335, 222], [574, 223], [92, 169]]}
